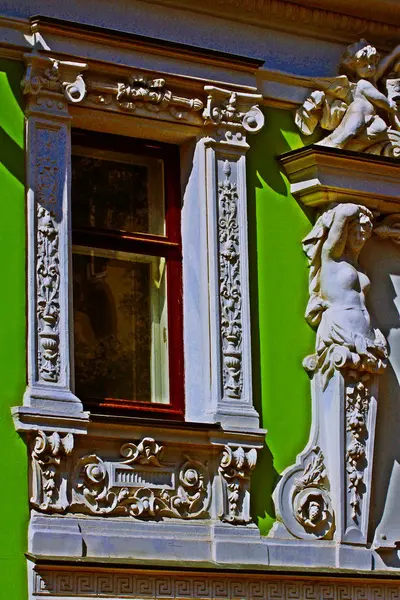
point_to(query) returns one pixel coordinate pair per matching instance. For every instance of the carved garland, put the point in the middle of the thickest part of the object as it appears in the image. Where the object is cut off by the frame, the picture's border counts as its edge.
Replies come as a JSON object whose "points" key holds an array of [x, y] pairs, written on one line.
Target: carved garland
{"points": [[230, 294]]}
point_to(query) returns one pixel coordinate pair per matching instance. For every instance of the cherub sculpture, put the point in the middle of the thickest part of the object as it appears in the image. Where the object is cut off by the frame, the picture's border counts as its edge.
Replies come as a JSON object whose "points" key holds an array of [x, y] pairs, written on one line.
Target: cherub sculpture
{"points": [[359, 115]]}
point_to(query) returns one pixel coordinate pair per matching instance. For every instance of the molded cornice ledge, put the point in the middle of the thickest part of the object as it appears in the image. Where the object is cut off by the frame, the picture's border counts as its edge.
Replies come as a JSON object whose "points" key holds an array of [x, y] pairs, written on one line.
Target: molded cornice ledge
{"points": [[308, 20], [319, 175]]}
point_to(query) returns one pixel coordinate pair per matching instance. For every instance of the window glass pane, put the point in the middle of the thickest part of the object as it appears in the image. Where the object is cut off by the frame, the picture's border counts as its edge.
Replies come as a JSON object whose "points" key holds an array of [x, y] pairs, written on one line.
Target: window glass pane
{"points": [[120, 317], [117, 192]]}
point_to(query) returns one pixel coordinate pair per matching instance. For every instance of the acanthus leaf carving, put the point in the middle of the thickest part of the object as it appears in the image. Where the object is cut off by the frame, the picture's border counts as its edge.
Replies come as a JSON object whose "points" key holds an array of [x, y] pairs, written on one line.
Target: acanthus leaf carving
{"points": [[230, 286], [49, 489], [235, 469]]}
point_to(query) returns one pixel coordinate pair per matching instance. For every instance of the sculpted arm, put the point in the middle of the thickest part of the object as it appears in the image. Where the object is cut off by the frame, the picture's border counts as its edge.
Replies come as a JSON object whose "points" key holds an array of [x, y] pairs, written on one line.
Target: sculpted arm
{"points": [[336, 240], [378, 99], [387, 62]]}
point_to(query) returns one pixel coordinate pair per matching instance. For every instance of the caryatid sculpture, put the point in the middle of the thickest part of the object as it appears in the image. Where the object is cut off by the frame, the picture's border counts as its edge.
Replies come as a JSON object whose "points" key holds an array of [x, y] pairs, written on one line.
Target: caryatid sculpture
{"points": [[360, 107], [337, 294], [326, 494]]}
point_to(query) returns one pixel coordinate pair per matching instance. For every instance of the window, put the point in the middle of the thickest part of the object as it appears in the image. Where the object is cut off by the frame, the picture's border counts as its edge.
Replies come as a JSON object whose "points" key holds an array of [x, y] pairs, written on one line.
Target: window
{"points": [[127, 274]]}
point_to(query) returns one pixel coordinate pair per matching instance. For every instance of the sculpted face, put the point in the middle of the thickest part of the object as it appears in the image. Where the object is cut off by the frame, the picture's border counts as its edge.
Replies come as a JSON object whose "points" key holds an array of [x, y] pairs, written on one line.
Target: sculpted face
{"points": [[365, 67], [366, 60], [359, 230]]}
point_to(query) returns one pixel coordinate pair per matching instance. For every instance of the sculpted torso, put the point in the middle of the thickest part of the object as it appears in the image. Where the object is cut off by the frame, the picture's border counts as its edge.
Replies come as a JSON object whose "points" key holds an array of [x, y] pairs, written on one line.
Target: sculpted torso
{"points": [[344, 287]]}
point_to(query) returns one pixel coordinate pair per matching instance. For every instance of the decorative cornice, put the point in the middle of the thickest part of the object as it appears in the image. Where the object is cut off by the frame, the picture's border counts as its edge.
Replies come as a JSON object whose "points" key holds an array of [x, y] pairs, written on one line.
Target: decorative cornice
{"points": [[289, 16], [83, 582]]}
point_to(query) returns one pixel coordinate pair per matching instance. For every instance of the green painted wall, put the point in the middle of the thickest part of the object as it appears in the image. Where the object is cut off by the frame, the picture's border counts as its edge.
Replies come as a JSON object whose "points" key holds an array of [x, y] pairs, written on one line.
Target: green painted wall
{"points": [[13, 458], [279, 281]]}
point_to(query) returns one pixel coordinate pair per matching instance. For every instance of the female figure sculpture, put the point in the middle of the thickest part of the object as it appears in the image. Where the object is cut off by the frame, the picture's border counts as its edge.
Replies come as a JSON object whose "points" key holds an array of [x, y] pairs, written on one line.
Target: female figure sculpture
{"points": [[338, 289]]}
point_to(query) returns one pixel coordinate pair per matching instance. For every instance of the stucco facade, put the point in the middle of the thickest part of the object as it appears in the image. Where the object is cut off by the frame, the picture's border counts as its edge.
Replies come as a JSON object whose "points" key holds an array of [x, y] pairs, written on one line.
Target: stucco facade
{"points": [[278, 479]]}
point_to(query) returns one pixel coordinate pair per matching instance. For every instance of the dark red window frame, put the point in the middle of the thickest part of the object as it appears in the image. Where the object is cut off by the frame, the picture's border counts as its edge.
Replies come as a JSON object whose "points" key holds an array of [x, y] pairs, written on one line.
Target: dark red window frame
{"points": [[168, 246]]}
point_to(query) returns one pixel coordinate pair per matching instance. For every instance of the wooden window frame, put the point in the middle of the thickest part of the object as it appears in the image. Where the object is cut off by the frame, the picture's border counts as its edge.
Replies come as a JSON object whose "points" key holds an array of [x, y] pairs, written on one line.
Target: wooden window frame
{"points": [[168, 246]]}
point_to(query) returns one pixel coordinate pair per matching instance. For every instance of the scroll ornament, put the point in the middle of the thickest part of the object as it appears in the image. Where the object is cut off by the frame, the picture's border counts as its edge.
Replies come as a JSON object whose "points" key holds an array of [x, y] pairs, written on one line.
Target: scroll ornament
{"points": [[93, 490], [234, 110], [139, 485], [360, 114], [44, 73]]}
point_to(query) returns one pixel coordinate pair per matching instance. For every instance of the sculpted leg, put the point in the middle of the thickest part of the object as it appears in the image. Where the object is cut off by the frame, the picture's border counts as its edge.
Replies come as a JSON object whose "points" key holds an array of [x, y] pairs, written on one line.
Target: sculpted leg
{"points": [[352, 125]]}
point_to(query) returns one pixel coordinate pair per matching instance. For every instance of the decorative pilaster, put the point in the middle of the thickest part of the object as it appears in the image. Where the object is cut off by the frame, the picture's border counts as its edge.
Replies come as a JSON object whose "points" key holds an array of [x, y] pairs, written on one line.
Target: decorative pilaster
{"points": [[49, 85], [228, 117]]}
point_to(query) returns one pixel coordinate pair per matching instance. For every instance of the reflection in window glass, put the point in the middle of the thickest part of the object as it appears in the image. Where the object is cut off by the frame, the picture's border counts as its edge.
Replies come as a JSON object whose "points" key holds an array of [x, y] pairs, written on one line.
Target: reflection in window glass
{"points": [[112, 194], [120, 318]]}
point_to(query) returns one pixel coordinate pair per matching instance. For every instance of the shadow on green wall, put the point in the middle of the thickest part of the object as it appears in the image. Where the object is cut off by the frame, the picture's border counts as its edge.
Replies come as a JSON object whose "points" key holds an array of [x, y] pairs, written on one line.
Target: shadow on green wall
{"points": [[14, 499], [280, 336]]}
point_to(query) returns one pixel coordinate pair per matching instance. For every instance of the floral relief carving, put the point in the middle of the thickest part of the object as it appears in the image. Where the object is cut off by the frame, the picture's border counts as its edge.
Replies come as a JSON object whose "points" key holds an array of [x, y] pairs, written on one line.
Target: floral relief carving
{"points": [[235, 469], [47, 257], [49, 483], [48, 301], [230, 294], [357, 408], [311, 501]]}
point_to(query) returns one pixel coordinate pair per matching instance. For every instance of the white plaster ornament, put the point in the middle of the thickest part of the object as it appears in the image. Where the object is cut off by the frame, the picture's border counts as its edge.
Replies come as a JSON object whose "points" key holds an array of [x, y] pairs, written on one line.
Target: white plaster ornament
{"points": [[359, 107], [327, 492]]}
